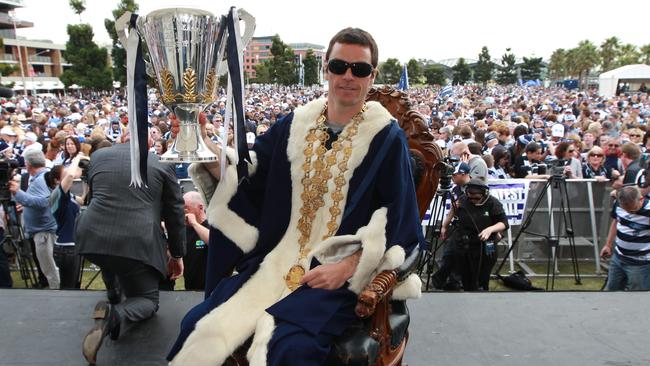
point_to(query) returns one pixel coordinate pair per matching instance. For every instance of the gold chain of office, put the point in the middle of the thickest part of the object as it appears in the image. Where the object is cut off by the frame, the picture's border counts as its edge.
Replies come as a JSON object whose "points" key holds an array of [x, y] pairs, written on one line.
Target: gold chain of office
{"points": [[315, 187]]}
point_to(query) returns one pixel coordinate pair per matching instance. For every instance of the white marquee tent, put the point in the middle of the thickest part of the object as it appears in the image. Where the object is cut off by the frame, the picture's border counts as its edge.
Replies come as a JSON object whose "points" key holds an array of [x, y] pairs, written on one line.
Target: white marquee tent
{"points": [[631, 77]]}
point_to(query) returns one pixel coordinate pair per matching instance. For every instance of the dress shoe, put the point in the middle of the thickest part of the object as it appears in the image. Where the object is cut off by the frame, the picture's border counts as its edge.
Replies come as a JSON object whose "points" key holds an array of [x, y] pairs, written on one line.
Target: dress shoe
{"points": [[107, 321]]}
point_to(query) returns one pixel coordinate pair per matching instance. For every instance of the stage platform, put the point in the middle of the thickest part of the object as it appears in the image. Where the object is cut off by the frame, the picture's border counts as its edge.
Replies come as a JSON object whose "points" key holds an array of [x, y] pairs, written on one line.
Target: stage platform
{"points": [[42, 327]]}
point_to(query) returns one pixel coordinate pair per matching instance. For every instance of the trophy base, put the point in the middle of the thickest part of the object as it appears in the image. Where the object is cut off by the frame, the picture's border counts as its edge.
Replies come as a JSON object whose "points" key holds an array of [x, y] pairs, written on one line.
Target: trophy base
{"points": [[192, 157]]}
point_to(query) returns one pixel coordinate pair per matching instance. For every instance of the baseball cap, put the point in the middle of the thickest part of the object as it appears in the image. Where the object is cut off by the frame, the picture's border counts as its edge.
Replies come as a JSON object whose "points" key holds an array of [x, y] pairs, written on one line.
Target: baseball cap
{"points": [[557, 130], [6, 130], [461, 168]]}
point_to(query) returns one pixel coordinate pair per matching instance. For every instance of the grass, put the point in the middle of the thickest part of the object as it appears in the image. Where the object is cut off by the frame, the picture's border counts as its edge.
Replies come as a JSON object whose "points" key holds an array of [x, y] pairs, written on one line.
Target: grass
{"points": [[590, 283], [89, 280]]}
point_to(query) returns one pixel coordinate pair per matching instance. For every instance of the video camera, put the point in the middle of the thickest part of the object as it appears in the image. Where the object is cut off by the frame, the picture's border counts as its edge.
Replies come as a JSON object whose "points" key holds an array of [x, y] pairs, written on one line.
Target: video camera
{"points": [[447, 171], [7, 171], [83, 165], [554, 168]]}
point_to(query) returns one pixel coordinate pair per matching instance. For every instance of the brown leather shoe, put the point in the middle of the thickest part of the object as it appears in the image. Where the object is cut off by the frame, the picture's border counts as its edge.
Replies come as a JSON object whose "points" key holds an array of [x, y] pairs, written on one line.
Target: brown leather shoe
{"points": [[106, 320]]}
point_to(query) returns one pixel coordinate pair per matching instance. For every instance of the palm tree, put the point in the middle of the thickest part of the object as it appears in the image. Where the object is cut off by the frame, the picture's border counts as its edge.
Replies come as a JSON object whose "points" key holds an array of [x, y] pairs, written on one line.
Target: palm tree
{"points": [[586, 59], [645, 54], [609, 50], [78, 6], [557, 65], [628, 55]]}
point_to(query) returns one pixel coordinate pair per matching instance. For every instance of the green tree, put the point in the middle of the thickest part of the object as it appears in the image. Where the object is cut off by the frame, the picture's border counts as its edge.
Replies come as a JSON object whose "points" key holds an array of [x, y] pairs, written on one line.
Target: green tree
{"points": [[89, 62], [609, 51], [414, 70], [461, 72], [484, 67], [8, 69], [118, 53], [585, 59], [507, 72], [391, 71], [262, 74], [571, 67], [557, 65], [78, 6], [645, 54], [531, 68], [628, 55], [282, 65], [435, 74], [310, 62]]}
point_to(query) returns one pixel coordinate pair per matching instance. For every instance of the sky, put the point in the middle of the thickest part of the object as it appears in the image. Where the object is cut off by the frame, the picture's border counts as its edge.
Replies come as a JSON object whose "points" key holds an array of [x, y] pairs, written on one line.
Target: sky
{"points": [[404, 29]]}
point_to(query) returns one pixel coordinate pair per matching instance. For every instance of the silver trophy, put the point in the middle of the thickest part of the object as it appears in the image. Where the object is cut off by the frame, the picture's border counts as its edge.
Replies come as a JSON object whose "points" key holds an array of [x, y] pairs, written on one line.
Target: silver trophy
{"points": [[186, 49]]}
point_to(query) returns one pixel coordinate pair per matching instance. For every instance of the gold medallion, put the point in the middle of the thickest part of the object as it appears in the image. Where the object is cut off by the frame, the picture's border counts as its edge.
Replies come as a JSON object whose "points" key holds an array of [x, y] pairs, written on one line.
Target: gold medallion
{"points": [[294, 276]]}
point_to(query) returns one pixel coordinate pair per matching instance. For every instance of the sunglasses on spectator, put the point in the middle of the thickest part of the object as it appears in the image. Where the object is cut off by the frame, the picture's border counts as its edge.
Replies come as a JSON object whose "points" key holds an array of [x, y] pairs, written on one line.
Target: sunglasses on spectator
{"points": [[612, 145], [635, 135], [596, 155], [359, 69], [572, 150]]}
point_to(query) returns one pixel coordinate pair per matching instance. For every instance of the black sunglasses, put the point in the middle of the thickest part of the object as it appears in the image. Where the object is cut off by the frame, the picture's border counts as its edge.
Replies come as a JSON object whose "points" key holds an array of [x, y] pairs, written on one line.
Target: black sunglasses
{"points": [[359, 69]]}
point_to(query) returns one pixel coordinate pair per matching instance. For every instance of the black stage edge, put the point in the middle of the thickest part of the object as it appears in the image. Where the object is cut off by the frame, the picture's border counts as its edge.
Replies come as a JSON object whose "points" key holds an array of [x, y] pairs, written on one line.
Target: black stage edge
{"points": [[42, 327]]}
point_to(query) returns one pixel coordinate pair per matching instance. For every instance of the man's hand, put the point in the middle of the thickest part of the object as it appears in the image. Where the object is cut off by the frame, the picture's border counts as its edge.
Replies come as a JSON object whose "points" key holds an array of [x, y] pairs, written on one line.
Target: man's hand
{"points": [[332, 276], [443, 232], [606, 252], [14, 186], [190, 219], [175, 268]]}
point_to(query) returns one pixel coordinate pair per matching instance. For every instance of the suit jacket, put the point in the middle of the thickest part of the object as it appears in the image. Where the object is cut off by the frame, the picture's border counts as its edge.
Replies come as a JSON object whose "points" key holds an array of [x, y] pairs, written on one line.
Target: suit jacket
{"points": [[124, 221]]}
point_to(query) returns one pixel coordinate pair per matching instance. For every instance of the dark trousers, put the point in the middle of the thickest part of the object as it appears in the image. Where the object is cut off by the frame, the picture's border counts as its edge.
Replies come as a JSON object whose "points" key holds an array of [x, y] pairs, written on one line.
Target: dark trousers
{"points": [[5, 274], [68, 263], [136, 281], [475, 268]]}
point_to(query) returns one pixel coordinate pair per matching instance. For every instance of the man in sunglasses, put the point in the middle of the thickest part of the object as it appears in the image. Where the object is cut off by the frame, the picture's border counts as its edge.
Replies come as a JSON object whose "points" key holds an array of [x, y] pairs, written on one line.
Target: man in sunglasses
{"points": [[330, 195]]}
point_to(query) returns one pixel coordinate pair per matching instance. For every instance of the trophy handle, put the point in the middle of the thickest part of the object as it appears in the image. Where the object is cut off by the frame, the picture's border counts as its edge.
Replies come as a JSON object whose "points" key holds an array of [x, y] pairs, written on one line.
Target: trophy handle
{"points": [[249, 20], [121, 25], [249, 30]]}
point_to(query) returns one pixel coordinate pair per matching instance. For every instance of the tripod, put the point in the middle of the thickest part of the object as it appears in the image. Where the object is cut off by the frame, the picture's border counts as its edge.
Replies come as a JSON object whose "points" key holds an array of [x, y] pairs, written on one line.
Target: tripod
{"points": [[555, 182], [15, 243], [433, 230]]}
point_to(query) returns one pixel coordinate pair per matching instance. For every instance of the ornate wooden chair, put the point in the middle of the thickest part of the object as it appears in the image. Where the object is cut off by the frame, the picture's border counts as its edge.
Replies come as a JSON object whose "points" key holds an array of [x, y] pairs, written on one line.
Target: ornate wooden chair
{"points": [[380, 339]]}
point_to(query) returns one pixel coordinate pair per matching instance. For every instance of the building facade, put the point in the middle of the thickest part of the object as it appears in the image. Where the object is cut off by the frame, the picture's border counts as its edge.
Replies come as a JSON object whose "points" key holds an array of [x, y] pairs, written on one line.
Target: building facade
{"points": [[37, 63], [259, 50]]}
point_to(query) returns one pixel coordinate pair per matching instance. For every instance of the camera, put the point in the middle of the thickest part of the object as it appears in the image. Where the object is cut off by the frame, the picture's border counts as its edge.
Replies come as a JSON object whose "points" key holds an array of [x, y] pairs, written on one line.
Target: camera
{"points": [[447, 171], [557, 167], [7, 170], [83, 165], [538, 168]]}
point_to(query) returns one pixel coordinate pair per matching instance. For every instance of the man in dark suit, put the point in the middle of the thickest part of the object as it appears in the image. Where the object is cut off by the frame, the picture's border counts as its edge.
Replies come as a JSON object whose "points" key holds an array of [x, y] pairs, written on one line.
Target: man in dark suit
{"points": [[121, 232]]}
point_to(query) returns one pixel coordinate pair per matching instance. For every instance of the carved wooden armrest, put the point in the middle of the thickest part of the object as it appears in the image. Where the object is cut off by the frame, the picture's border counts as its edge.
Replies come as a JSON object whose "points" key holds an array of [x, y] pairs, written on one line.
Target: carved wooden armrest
{"points": [[375, 292]]}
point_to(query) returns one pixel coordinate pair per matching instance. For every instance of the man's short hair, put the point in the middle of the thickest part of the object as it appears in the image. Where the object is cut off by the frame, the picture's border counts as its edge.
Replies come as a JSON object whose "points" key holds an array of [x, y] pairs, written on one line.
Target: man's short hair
{"points": [[355, 36], [631, 149], [628, 196], [532, 147], [35, 158]]}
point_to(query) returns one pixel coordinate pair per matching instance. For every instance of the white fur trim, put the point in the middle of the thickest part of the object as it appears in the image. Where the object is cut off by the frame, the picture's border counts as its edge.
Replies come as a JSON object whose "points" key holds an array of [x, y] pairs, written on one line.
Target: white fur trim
{"points": [[221, 217], [393, 258], [204, 182], [410, 288], [373, 243], [263, 333]]}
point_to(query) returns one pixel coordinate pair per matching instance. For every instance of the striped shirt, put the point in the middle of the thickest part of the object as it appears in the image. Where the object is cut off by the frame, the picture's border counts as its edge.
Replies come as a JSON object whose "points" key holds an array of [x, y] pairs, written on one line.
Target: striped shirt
{"points": [[633, 232]]}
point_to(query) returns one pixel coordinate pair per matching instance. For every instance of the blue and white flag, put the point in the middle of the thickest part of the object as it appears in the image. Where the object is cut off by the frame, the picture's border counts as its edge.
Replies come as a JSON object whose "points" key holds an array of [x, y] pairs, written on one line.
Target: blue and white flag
{"points": [[447, 91], [404, 80]]}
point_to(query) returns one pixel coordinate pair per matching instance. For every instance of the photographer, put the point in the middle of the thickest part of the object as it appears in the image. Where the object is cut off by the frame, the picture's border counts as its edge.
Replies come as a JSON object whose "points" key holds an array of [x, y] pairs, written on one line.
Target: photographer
{"points": [[38, 221], [65, 208], [480, 219], [565, 153]]}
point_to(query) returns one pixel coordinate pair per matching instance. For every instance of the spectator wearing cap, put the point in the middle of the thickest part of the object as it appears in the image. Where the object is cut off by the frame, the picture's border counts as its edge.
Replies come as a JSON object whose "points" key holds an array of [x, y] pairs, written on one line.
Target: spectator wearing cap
{"points": [[491, 141], [38, 221], [460, 177], [8, 135]]}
